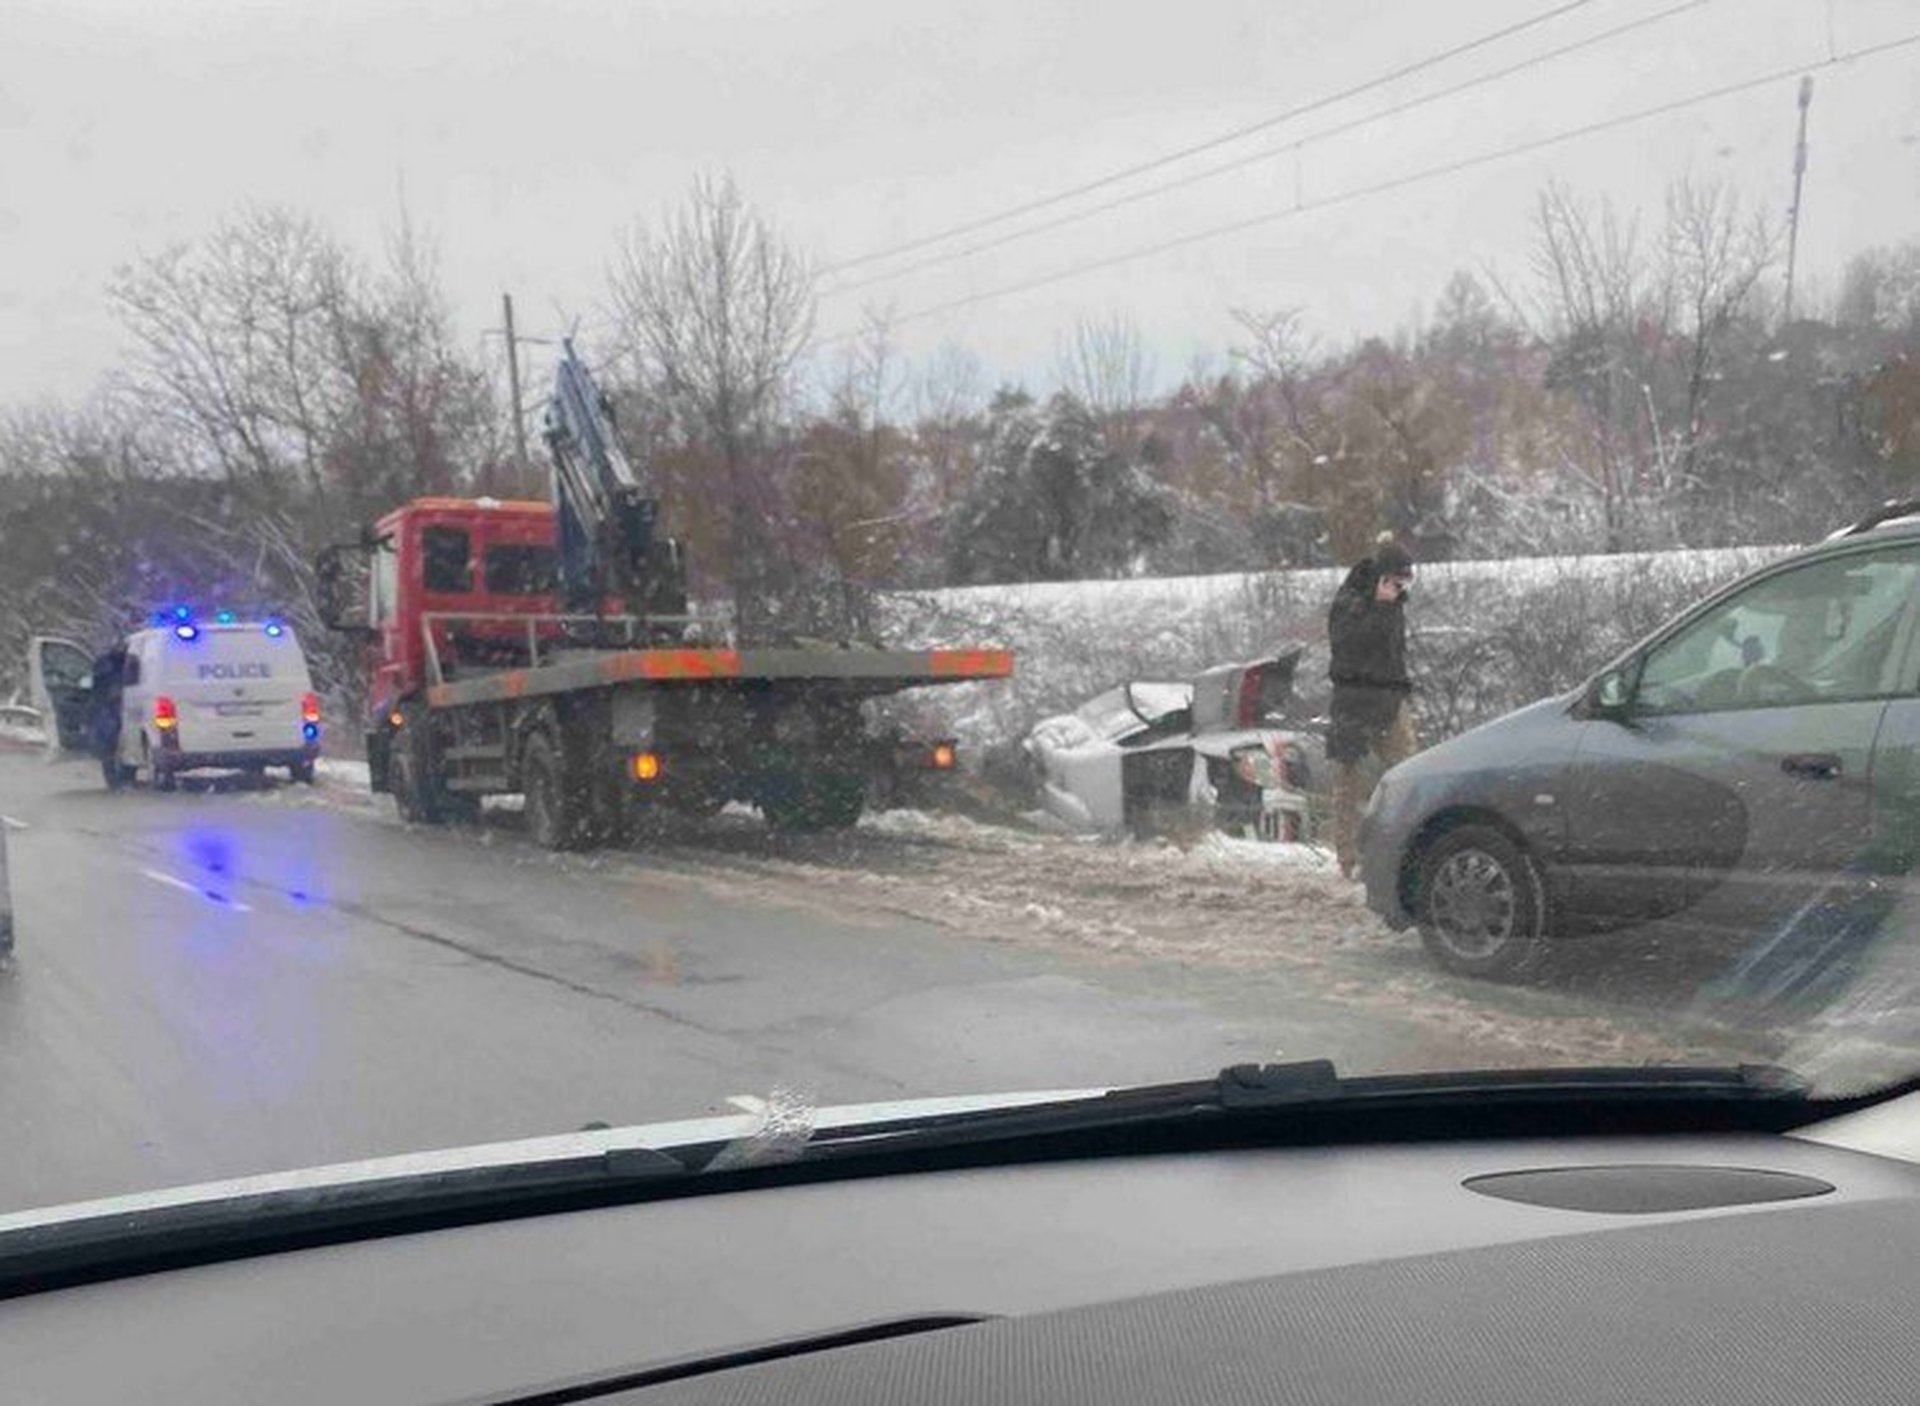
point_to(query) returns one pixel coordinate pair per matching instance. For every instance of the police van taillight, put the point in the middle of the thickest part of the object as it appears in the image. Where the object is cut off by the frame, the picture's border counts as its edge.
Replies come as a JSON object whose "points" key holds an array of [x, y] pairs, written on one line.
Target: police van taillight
{"points": [[165, 714], [309, 707]]}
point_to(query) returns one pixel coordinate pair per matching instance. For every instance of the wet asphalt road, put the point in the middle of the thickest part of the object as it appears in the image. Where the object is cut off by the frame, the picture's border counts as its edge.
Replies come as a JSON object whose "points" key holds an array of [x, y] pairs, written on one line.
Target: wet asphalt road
{"points": [[210, 983], [225, 980]]}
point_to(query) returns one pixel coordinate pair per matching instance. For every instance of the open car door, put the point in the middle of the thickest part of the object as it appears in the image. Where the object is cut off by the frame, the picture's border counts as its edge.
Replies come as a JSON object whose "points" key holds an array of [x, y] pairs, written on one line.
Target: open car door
{"points": [[60, 680]]}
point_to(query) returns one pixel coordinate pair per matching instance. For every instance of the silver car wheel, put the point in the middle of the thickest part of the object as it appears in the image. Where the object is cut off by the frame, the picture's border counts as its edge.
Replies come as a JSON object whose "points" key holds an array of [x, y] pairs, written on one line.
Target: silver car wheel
{"points": [[1473, 903]]}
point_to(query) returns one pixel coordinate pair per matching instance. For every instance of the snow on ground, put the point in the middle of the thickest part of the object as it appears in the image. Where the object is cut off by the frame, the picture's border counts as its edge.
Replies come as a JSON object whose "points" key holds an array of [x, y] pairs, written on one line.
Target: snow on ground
{"points": [[1239, 911], [26, 734], [1176, 597], [345, 774]]}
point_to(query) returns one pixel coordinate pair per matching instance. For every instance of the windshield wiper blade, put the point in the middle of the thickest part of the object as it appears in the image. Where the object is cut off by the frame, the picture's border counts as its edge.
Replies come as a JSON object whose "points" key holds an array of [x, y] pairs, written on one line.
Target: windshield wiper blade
{"points": [[1249, 1103], [1249, 1095]]}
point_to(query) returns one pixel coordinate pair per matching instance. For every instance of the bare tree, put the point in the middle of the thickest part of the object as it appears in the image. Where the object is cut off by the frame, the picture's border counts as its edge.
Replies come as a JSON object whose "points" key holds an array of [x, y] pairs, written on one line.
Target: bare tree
{"points": [[1594, 306], [1103, 363], [868, 379], [240, 341], [849, 494], [1715, 258], [1276, 424], [716, 312], [1639, 338]]}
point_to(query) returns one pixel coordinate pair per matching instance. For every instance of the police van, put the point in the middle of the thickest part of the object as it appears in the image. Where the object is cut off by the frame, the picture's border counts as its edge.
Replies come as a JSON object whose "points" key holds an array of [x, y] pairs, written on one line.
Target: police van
{"points": [[227, 693]]}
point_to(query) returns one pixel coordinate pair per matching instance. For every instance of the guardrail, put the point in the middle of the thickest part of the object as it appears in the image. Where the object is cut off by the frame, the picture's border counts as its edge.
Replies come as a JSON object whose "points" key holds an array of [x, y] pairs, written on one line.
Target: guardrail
{"points": [[631, 627]]}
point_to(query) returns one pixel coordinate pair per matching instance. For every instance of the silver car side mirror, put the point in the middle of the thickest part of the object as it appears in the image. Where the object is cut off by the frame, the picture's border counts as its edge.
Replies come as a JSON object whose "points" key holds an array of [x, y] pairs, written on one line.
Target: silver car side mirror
{"points": [[1610, 696]]}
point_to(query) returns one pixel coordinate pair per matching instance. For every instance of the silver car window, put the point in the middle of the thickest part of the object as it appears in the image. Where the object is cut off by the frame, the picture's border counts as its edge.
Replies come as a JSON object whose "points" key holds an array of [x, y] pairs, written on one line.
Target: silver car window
{"points": [[1828, 631]]}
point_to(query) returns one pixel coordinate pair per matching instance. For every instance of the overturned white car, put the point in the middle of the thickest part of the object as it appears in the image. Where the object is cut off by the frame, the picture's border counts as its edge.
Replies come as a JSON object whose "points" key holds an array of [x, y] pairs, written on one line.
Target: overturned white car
{"points": [[1143, 758]]}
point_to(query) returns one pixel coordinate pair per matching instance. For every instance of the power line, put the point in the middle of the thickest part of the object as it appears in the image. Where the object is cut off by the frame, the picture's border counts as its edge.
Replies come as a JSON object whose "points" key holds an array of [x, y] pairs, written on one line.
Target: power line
{"points": [[1267, 154], [1126, 173], [1398, 182]]}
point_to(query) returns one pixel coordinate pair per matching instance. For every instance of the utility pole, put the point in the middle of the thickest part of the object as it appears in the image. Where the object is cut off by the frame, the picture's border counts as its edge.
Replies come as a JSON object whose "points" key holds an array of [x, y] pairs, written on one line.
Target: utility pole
{"points": [[1799, 174], [513, 365]]}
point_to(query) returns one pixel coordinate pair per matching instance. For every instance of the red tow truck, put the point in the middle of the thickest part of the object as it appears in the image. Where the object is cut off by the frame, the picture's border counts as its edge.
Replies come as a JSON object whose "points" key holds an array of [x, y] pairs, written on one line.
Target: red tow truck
{"points": [[547, 650]]}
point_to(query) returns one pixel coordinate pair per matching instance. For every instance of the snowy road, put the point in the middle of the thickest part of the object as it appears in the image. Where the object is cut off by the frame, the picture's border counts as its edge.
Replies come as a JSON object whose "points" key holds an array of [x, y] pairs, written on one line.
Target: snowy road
{"points": [[221, 980]]}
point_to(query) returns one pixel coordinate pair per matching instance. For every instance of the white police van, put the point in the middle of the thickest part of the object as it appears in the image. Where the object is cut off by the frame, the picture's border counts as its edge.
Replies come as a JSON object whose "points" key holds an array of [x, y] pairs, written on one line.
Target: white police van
{"points": [[230, 694]]}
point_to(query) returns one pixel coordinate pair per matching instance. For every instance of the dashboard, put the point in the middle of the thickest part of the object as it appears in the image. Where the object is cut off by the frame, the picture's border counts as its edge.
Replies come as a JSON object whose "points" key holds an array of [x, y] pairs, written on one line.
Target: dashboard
{"points": [[1717, 1267]]}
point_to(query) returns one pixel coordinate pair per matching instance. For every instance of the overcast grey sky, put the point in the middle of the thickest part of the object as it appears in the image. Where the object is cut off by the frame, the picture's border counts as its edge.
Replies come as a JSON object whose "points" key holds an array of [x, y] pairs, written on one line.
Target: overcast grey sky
{"points": [[525, 133]]}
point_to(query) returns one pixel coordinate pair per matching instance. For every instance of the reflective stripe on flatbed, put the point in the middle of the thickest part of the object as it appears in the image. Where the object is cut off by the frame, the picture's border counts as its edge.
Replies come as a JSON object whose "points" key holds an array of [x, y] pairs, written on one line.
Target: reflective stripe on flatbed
{"points": [[869, 670]]}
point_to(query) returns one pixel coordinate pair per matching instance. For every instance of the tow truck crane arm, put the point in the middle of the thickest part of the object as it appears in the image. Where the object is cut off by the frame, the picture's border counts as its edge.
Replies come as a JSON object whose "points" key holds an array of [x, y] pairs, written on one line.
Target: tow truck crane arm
{"points": [[607, 519]]}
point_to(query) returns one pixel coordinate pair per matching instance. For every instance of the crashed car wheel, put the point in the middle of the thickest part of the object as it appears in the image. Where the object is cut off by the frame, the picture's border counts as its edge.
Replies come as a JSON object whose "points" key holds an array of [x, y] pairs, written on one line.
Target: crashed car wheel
{"points": [[1480, 903]]}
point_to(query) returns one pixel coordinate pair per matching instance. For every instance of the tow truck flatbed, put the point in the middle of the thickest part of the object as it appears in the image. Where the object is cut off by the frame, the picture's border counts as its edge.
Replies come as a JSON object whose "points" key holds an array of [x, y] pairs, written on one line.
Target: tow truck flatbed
{"points": [[866, 672]]}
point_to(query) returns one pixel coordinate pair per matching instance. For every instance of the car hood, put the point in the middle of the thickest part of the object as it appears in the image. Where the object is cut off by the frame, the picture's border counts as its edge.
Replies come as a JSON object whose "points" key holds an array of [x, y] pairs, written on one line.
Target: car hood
{"points": [[1506, 739], [755, 1120]]}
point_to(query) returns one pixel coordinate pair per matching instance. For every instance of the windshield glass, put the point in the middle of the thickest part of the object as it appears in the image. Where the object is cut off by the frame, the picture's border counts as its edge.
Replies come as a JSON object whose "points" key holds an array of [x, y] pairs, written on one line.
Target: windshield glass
{"points": [[604, 563]]}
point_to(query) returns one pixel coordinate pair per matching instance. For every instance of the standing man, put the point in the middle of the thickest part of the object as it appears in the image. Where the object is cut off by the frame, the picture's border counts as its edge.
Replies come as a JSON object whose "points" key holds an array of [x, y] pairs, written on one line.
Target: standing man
{"points": [[109, 675], [1372, 711]]}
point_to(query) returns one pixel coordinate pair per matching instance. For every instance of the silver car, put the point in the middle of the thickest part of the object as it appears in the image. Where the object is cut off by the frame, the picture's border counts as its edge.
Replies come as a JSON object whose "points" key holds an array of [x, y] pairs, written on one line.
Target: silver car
{"points": [[1741, 761], [1141, 757]]}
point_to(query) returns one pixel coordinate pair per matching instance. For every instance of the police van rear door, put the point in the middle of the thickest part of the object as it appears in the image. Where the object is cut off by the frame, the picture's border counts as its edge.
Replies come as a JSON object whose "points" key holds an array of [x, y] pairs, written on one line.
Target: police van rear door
{"points": [[237, 688]]}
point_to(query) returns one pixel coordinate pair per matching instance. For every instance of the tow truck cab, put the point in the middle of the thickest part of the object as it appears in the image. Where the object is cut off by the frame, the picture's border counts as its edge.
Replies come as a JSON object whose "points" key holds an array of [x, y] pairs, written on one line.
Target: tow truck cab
{"points": [[450, 557]]}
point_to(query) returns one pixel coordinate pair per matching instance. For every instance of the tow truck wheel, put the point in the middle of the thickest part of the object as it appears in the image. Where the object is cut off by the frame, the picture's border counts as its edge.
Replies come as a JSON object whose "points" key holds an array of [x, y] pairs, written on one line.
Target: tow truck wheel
{"points": [[553, 809], [695, 804], [410, 793]]}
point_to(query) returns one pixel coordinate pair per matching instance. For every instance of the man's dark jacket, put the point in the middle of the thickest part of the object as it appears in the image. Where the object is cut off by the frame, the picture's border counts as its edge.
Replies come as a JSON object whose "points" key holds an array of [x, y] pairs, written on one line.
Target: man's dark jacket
{"points": [[1369, 664]]}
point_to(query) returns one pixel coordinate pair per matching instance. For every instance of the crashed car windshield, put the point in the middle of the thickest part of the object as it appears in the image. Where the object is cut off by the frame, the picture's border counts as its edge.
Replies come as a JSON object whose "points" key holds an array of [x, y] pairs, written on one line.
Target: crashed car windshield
{"points": [[571, 566]]}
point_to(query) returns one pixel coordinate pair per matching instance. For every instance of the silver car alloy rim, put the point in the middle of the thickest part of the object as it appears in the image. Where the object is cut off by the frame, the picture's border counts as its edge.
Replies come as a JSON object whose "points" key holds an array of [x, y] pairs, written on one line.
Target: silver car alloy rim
{"points": [[1473, 903]]}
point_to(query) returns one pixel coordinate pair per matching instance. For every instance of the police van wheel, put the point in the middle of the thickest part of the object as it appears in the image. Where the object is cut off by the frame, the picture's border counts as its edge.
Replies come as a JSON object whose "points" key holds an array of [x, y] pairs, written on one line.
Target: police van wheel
{"points": [[158, 776], [301, 772]]}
